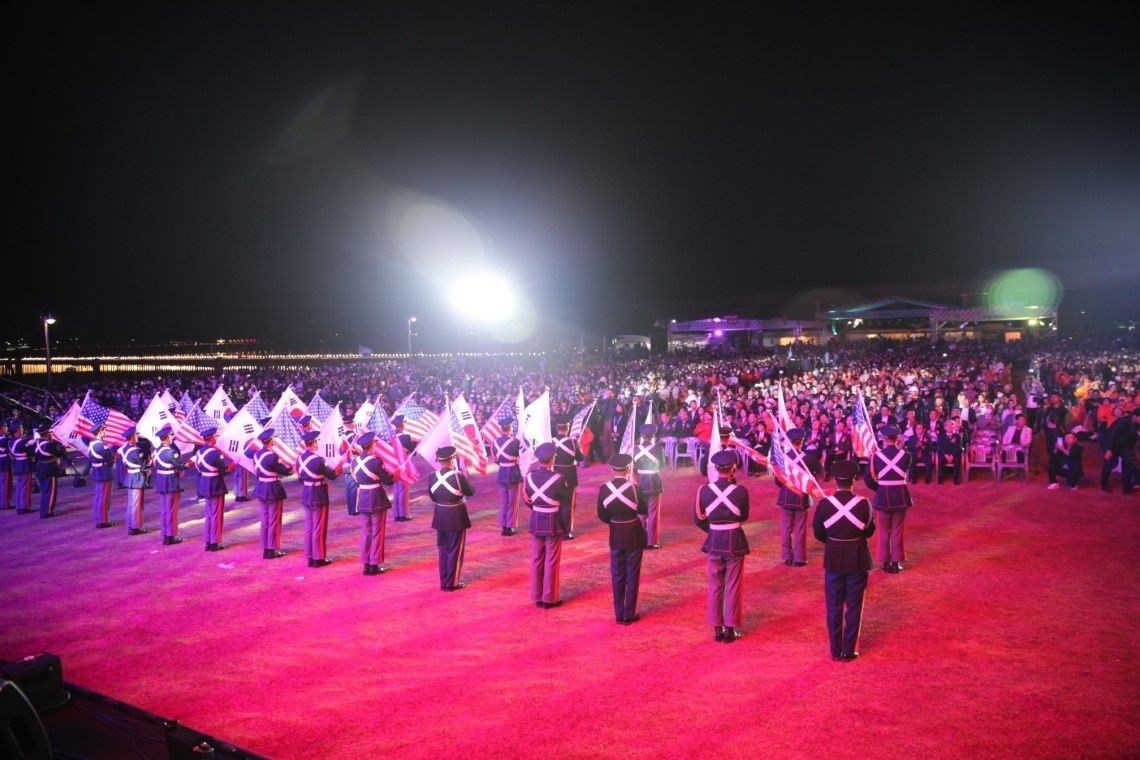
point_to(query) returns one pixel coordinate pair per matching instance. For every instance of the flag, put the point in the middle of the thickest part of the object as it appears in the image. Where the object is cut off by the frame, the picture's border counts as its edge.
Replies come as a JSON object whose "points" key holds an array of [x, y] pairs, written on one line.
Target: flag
{"points": [[714, 442], [438, 437], [156, 416], [257, 408], [625, 446], [93, 414], [185, 404], [363, 414], [534, 429], [791, 472], [418, 419], [331, 444], [319, 409], [863, 440], [785, 419], [290, 402], [493, 427], [388, 447], [64, 430], [219, 408], [580, 431], [172, 405], [239, 435], [463, 417], [286, 441], [464, 437]]}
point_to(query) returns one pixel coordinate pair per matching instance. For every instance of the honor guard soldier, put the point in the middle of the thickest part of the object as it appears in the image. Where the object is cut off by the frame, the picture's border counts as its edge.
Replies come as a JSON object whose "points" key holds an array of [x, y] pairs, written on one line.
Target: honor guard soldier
{"points": [[371, 502], [353, 451], [892, 498], [22, 465], [843, 522], [547, 496], [721, 511], [212, 468], [793, 510], [5, 467], [270, 493], [315, 475], [400, 488], [168, 467], [102, 458], [49, 452], [509, 478], [567, 455], [448, 491], [621, 504], [137, 464], [648, 457]]}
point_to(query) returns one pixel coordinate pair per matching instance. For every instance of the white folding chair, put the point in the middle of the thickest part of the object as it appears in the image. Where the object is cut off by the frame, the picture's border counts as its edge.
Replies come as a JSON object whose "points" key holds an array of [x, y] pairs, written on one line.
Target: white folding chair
{"points": [[1009, 459], [691, 450]]}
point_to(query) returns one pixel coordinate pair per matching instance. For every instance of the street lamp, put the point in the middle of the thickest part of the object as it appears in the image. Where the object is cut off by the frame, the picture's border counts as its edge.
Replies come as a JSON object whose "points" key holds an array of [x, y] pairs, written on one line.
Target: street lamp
{"points": [[410, 320], [49, 320]]}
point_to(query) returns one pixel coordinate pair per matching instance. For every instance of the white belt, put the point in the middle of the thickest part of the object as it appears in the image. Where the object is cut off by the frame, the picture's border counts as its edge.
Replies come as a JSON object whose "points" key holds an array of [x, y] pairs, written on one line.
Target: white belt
{"points": [[829, 538], [320, 482], [456, 504], [545, 509], [624, 522], [892, 482], [648, 472], [724, 526], [369, 486], [268, 480], [209, 474]]}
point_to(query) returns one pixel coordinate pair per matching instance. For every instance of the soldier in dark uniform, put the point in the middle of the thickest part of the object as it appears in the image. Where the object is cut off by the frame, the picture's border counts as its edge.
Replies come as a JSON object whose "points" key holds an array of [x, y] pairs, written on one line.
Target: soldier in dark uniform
{"points": [[547, 496], [793, 511], [315, 475], [400, 488], [102, 459], [892, 498], [168, 467], [23, 465], [270, 493], [509, 478], [49, 453], [212, 468], [448, 491], [721, 511], [137, 464], [620, 505], [567, 455], [843, 522], [371, 502], [5, 467], [648, 459]]}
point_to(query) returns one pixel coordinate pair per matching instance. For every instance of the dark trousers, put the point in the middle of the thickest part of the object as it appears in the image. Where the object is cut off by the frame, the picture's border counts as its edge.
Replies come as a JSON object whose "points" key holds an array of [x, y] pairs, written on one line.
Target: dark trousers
{"points": [[47, 496], [844, 595], [450, 544], [625, 572]]}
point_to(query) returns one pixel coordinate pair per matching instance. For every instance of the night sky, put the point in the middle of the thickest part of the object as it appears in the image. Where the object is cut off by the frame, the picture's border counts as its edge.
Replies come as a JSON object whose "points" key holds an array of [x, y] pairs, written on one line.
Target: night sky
{"points": [[313, 178]]}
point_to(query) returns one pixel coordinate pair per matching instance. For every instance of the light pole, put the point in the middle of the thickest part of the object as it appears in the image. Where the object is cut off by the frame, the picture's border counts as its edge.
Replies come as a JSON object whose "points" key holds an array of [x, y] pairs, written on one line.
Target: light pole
{"points": [[49, 320], [410, 320]]}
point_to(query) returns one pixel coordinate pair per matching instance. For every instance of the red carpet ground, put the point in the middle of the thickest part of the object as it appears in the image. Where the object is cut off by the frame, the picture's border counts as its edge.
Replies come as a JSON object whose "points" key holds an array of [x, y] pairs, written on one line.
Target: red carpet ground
{"points": [[1013, 631]]}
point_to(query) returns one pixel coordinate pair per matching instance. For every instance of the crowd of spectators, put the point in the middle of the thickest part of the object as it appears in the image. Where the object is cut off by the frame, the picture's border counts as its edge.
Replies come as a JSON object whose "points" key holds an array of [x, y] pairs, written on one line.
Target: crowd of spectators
{"points": [[1063, 384]]}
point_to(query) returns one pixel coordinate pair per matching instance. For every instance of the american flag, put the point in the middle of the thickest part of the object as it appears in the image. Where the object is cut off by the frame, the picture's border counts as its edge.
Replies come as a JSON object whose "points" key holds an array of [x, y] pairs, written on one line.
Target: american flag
{"points": [[578, 424], [792, 473], [863, 441], [320, 410], [286, 441], [185, 404], [470, 451], [418, 419], [493, 427], [93, 414], [396, 460], [190, 431], [257, 408]]}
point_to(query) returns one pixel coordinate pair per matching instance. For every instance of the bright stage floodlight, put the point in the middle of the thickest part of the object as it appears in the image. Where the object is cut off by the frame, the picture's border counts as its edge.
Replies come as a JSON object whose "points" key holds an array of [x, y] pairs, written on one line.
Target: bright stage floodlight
{"points": [[485, 297]]}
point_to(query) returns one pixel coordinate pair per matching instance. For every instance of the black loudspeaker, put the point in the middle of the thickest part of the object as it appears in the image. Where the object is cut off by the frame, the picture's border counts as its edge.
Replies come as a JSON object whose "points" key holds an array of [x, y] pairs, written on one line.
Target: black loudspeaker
{"points": [[40, 678], [22, 734]]}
